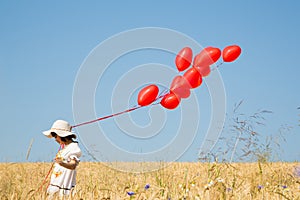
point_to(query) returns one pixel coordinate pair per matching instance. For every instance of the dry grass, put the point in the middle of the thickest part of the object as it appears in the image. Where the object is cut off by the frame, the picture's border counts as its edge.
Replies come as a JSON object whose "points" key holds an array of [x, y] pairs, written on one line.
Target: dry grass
{"points": [[171, 181]]}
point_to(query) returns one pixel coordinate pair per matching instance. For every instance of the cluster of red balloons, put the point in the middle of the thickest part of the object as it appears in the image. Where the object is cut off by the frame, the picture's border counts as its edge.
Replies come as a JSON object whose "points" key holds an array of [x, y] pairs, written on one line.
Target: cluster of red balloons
{"points": [[192, 77]]}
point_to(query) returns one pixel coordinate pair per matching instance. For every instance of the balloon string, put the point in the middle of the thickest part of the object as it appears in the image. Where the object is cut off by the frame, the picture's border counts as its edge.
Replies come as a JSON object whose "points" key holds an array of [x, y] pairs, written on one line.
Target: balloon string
{"points": [[49, 172], [108, 116], [162, 94], [217, 66], [119, 113]]}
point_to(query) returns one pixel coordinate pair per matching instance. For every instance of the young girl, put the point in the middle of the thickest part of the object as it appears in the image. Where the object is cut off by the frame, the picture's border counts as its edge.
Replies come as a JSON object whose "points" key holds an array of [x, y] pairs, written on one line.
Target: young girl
{"points": [[63, 177]]}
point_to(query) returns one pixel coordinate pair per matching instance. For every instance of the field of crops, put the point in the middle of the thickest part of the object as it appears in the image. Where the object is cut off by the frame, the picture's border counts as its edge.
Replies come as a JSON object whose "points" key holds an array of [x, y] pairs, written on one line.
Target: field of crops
{"points": [[170, 181]]}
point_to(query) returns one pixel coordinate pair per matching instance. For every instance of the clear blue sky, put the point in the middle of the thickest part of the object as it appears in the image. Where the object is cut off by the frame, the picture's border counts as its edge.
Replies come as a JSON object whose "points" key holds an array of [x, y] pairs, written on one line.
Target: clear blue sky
{"points": [[43, 45]]}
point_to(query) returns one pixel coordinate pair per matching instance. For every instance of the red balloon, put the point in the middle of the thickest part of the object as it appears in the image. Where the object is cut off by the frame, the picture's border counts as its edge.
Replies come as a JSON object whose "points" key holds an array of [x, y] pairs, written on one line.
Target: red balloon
{"points": [[184, 58], [230, 53], [204, 71], [180, 87], [193, 77], [170, 101], [207, 56], [147, 95]]}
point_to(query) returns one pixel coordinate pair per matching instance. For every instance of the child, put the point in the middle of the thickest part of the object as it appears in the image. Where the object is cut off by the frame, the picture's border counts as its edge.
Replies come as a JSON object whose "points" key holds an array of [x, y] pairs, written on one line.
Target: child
{"points": [[63, 177]]}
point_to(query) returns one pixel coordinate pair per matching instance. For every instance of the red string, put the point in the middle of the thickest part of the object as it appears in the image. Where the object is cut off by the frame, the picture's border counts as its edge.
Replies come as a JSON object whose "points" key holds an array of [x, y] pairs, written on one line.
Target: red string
{"points": [[46, 177], [119, 113], [105, 117]]}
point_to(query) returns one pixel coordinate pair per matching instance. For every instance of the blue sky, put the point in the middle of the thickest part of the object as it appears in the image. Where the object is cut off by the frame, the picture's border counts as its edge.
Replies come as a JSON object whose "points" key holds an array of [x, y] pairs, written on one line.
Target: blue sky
{"points": [[44, 44]]}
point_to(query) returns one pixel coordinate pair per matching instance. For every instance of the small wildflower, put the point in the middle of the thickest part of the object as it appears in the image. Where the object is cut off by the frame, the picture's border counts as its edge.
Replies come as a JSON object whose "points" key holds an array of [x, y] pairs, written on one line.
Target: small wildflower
{"points": [[259, 187], [228, 189], [284, 186], [130, 193], [147, 186]]}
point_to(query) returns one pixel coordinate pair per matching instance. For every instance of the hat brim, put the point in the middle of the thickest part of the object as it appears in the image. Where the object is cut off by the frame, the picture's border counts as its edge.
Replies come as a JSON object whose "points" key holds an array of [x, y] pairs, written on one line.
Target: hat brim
{"points": [[60, 133]]}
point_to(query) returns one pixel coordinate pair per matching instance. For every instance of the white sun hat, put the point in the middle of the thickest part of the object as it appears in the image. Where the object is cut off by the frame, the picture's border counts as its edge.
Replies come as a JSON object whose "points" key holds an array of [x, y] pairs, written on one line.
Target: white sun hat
{"points": [[61, 128]]}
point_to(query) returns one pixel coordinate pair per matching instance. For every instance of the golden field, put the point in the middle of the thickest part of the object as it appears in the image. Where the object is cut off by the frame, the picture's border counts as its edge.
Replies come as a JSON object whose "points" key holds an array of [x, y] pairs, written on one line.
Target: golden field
{"points": [[170, 181]]}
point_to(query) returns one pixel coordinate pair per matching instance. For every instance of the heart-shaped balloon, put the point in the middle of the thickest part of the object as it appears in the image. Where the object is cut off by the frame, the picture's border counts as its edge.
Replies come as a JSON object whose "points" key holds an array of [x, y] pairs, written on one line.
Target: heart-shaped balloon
{"points": [[170, 101], [193, 77], [231, 53], [184, 58], [147, 95], [180, 87], [204, 71], [207, 56]]}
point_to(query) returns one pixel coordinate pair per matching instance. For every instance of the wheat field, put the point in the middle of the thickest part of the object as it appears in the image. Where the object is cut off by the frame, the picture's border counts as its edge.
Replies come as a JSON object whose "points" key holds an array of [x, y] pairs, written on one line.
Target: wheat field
{"points": [[170, 181]]}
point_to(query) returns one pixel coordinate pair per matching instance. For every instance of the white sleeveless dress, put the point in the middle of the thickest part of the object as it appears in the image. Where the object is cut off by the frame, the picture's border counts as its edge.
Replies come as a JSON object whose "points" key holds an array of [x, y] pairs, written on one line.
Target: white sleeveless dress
{"points": [[63, 179]]}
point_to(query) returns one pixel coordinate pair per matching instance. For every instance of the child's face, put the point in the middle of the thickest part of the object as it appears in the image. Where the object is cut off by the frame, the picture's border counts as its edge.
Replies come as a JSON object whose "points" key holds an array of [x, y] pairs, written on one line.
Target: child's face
{"points": [[58, 139]]}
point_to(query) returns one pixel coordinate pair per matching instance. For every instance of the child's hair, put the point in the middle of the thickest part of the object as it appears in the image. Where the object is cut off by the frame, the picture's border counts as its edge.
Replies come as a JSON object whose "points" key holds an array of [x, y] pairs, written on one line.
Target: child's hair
{"points": [[69, 137], [64, 139]]}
